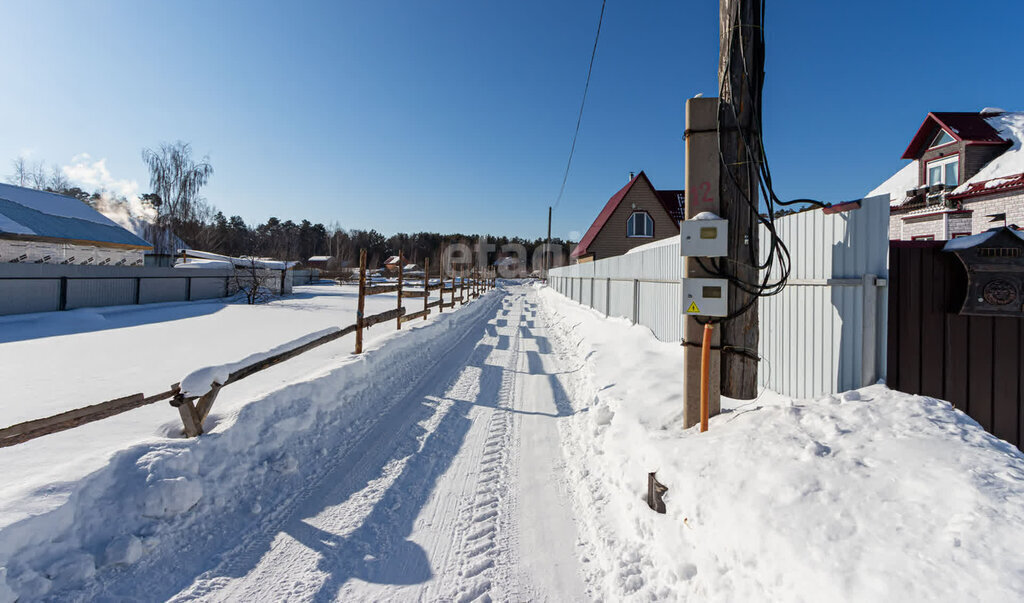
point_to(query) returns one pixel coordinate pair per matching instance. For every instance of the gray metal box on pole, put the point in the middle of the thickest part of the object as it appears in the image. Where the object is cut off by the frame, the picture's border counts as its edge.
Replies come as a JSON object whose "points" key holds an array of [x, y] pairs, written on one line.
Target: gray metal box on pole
{"points": [[705, 297], [704, 237]]}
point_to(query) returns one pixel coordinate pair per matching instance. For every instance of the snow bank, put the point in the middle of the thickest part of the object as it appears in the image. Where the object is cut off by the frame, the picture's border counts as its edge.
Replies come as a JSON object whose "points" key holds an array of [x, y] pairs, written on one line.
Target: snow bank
{"points": [[173, 502], [873, 495], [1010, 127]]}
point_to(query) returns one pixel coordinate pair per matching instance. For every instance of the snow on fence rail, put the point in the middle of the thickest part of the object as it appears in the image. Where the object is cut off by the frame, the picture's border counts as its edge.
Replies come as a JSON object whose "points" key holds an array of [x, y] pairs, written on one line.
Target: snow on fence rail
{"points": [[195, 394], [825, 333]]}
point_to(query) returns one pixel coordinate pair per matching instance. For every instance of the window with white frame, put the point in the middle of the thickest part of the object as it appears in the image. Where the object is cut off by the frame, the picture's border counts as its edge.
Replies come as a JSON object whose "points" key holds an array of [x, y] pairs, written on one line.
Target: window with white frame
{"points": [[640, 224], [944, 171], [941, 137]]}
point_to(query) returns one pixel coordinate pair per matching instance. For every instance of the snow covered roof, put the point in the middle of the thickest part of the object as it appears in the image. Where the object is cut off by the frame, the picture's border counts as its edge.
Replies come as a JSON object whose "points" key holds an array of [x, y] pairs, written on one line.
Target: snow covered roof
{"points": [[392, 260], [975, 240], [28, 212], [321, 258], [408, 267], [964, 127], [898, 184], [242, 262], [1005, 172]]}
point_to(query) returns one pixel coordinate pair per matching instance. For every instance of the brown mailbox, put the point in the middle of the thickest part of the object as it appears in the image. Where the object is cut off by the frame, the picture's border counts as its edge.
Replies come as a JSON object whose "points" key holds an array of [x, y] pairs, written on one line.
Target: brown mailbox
{"points": [[995, 272]]}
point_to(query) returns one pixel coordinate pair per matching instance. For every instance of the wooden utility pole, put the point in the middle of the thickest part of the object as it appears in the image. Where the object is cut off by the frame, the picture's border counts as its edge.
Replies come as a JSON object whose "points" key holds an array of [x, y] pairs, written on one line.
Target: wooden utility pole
{"points": [[426, 286], [401, 271], [547, 246], [740, 73], [361, 304]]}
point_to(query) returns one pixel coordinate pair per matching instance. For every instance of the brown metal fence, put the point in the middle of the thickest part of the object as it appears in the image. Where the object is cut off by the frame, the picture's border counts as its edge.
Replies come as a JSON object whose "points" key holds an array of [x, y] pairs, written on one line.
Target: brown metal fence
{"points": [[974, 362]]}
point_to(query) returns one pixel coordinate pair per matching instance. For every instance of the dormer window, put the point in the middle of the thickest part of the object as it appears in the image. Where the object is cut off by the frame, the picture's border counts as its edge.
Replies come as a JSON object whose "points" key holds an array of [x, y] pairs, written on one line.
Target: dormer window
{"points": [[944, 171], [640, 224], [941, 137]]}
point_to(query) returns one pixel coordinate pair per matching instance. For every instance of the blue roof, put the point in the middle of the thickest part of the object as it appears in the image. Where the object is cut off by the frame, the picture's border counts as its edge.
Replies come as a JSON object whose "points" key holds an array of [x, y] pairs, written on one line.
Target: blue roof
{"points": [[30, 213]]}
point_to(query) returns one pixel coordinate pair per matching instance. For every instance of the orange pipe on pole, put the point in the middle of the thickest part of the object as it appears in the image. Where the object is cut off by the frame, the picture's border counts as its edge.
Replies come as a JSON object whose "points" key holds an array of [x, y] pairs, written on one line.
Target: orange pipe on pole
{"points": [[705, 369]]}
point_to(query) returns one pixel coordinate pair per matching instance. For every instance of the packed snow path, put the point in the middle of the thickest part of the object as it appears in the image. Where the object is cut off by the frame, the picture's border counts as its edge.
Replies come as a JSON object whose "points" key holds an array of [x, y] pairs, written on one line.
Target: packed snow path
{"points": [[457, 493]]}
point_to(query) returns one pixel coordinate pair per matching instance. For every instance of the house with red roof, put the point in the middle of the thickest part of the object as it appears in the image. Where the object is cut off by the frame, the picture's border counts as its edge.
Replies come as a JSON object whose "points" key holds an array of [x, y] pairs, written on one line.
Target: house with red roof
{"points": [[635, 215], [966, 171]]}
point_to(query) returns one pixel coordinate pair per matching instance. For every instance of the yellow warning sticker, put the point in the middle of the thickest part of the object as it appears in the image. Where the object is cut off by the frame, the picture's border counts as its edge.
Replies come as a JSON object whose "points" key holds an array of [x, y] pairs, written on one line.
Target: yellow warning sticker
{"points": [[693, 308]]}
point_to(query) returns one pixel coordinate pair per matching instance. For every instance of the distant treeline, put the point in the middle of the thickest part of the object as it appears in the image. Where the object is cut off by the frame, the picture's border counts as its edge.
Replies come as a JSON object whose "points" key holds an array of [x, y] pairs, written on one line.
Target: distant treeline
{"points": [[175, 212], [290, 241]]}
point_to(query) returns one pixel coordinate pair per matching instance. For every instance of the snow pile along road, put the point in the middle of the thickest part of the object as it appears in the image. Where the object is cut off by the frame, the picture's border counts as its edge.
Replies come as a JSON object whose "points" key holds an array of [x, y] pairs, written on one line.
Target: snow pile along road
{"points": [[158, 513], [872, 495]]}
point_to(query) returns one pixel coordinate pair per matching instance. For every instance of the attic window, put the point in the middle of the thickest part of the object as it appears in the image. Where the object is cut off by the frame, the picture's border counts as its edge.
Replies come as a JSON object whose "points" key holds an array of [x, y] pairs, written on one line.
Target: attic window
{"points": [[640, 224], [941, 137]]}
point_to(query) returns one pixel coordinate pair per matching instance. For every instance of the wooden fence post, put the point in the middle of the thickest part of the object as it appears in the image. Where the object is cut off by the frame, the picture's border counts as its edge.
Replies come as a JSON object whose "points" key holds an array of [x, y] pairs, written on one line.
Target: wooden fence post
{"points": [[189, 417], [440, 284], [426, 286], [362, 301], [401, 270], [205, 403]]}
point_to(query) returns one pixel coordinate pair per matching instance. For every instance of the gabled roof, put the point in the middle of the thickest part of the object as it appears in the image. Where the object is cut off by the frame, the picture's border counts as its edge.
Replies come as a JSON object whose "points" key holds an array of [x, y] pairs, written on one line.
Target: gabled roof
{"points": [[668, 199], [391, 260], [1002, 174], [28, 213], [963, 127]]}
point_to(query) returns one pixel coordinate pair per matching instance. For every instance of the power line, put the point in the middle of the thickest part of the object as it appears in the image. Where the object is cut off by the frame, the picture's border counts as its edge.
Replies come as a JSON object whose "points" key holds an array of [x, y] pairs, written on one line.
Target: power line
{"points": [[579, 117]]}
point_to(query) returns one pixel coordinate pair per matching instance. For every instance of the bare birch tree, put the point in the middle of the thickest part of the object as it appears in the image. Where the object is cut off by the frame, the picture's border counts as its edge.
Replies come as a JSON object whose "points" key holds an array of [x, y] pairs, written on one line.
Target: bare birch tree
{"points": [[176, 178], [21, 173]]}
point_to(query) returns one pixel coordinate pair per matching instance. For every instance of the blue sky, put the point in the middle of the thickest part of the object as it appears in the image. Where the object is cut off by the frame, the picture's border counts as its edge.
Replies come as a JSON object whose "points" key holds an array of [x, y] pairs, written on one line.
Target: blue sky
{"points": [[448, 115]]}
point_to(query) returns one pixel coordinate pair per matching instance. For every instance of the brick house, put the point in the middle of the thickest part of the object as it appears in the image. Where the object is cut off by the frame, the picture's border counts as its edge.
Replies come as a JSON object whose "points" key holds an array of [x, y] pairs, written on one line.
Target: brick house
{"points": [[636, 215], [965, 168]]}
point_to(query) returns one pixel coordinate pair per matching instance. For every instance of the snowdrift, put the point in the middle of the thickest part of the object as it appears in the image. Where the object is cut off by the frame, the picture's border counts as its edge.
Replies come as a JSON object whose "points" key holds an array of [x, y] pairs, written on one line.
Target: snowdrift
{"points": [[873, 495]]}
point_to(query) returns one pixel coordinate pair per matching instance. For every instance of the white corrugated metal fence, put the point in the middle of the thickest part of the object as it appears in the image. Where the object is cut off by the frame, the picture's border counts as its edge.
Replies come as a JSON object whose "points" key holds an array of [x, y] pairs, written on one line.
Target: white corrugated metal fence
{"points": [[825, 333]]}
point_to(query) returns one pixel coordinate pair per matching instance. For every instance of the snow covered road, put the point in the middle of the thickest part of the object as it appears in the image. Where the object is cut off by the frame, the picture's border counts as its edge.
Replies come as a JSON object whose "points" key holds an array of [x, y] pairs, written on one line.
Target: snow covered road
{"points": [[500, 452], [456, 492]]}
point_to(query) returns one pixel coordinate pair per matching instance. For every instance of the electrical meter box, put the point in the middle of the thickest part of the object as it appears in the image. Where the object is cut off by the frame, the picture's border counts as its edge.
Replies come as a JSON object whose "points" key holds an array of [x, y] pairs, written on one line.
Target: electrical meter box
{"points": [[705, 296], [704, 236], [995, 272]]}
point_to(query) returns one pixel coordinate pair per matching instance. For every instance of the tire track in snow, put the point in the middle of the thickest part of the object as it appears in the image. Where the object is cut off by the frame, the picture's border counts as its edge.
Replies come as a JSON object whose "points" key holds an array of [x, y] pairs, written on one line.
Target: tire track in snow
{"points": [[480, 568]]}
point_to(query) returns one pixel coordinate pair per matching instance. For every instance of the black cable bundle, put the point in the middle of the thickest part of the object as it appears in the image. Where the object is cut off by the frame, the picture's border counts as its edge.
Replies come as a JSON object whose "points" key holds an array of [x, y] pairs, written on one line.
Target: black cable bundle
{"points": [[753, 141]]}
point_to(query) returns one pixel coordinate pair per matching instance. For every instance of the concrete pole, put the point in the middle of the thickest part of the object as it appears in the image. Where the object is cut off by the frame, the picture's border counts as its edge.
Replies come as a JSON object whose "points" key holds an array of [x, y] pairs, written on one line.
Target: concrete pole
{"points": [[701, 195]]}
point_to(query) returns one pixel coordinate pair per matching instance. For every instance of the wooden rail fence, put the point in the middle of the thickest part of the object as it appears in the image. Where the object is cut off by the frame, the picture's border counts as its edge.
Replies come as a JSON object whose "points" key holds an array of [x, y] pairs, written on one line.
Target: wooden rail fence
{"points": [[194, 409]]}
